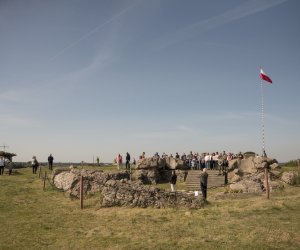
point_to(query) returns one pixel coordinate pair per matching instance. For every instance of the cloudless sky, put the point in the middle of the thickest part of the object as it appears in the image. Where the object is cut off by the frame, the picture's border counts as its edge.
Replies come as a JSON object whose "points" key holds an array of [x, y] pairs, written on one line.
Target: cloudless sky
{"points": [[87, 78]]}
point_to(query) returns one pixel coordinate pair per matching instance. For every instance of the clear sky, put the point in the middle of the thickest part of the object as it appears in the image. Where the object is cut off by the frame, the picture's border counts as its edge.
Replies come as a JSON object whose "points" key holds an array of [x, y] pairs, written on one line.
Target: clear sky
{"points": [[86, 78]]}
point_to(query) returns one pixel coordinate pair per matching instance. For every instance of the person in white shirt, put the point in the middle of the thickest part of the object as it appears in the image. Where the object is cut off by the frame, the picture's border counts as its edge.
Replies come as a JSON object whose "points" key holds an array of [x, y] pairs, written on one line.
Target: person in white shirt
{"points": [[215, 160], [2, 163], [207, 159]]}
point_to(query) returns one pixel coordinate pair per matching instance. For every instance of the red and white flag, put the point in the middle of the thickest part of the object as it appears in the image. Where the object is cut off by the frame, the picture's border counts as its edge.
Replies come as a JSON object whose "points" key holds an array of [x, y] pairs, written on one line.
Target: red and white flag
{"points": [[264, 76]]}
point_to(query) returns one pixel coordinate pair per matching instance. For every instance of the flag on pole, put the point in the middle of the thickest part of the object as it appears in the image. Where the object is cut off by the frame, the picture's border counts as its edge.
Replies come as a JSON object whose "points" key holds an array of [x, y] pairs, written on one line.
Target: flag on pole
{"points": [[264, 76]]}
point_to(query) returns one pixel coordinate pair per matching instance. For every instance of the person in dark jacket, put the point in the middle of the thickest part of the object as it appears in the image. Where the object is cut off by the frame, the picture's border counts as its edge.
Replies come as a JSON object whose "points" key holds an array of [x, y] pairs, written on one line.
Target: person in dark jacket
{"points": [[173, 181], [34, 164], [203, 183], [127, 165], [50, 161]]}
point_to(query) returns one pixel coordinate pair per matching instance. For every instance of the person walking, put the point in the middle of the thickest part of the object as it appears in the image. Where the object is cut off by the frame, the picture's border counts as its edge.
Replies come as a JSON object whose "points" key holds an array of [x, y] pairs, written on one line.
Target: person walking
{"points": [[127, 165], [34, 164], [173, 181], [50, 161], [2, 163], [203, 183]]}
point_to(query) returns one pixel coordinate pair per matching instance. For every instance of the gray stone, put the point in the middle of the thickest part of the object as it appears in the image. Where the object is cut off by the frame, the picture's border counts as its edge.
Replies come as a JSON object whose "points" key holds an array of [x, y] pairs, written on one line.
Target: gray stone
{"points": [[258, 160], [64, 180], [148, 163], [262, 165], [289, 177], [247, 165], [275, 166], [233, 164], [235, 178], [247, 186], [173, 163], [236, 171]]}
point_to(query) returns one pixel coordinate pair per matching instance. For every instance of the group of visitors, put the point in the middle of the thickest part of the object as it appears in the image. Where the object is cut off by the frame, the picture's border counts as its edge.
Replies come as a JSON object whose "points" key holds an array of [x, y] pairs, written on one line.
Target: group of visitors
{"points": [[119, 161], [199, 161], [35, 164], [202, 162]]}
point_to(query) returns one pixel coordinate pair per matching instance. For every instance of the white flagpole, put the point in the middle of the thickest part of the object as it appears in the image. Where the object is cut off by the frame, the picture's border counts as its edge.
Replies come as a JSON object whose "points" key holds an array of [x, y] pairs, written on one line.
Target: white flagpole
{"points": [[263, 120]]}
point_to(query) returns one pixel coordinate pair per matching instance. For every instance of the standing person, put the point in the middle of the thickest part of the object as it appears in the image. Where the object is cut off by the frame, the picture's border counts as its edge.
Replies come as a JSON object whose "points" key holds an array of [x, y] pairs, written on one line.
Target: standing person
{"points": [[34, 164], [127, 161], [50, 161], [10, 167], [98, 161], [203, 183], [173, 181], [119, 161], [207, 159], [224, 164], [2, 163]]}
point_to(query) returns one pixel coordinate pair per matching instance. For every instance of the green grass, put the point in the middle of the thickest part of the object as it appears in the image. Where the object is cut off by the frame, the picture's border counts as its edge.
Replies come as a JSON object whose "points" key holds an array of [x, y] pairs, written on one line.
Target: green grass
{"points": [[33, 218], [291, 166]]}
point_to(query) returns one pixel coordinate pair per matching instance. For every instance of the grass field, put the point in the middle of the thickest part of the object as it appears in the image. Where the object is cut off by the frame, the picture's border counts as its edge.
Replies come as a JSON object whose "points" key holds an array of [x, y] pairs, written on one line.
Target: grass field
{"points": [[33, 218]]}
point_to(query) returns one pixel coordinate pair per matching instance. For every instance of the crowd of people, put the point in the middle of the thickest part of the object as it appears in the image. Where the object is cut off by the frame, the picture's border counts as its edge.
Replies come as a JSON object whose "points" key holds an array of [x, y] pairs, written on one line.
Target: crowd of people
{"points": [[199, 161], [194, 160]]}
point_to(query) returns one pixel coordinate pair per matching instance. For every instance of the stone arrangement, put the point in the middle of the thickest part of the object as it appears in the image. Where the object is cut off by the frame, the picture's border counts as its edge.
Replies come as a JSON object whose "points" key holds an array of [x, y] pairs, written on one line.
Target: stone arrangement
{"points": [[247, 175], [244, 175], [117, 190]]}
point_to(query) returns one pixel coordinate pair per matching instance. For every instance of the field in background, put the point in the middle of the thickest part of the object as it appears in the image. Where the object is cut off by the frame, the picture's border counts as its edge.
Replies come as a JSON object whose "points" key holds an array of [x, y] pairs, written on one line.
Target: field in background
{"points": [[33, 218]]}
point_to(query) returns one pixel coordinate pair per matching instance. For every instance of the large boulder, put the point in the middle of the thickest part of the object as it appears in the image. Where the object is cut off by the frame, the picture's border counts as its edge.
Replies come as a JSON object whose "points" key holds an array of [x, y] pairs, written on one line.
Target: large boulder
{"points": [[247, 166], [289, 177], [247, 186], [235, 178], [249, 154], [151, 163], [233, 164], [174, 163], [160, 163], [275, 166], [65, 180]]}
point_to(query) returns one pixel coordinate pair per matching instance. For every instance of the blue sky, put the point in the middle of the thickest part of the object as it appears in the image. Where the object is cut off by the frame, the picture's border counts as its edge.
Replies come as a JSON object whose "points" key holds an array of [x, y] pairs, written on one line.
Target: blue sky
{"points": [[86, 78]]}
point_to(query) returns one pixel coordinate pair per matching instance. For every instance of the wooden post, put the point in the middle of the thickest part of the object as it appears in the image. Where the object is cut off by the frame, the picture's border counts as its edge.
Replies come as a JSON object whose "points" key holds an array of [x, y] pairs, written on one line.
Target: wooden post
{"points": [[130, 172], [267, 182], [45, 176], [40, 174], [81, 192]]}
